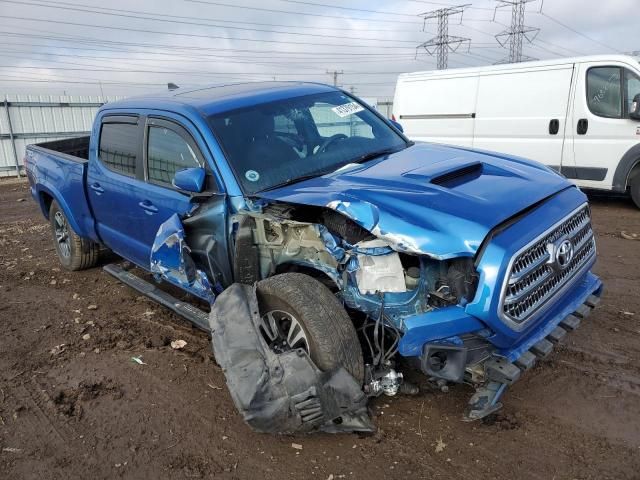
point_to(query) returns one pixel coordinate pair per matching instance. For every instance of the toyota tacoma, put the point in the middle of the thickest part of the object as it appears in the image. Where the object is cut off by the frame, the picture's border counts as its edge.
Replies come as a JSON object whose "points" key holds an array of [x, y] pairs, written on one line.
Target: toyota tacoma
{"points": [[322, 249]]}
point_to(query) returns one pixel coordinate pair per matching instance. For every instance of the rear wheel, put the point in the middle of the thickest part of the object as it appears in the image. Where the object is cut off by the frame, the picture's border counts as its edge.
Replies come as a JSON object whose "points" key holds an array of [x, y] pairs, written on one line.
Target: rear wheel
{"points": [[634, 183], [298, 311], [74, 252]]}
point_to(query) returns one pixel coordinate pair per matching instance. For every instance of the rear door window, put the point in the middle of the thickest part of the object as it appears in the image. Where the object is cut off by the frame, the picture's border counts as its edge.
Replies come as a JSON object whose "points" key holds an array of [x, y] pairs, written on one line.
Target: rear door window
{"points": [[119, 146], [169, 149], [604, 91]]}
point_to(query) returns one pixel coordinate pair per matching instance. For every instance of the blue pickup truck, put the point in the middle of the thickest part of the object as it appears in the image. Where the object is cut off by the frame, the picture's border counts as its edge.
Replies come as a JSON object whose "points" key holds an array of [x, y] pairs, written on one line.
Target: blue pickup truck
{"points": [[300, 213]]}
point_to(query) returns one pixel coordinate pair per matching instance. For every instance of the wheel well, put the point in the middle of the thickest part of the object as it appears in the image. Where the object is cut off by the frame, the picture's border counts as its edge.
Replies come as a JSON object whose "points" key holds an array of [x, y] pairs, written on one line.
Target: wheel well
{"points": [[319, 275], [46, 200]]}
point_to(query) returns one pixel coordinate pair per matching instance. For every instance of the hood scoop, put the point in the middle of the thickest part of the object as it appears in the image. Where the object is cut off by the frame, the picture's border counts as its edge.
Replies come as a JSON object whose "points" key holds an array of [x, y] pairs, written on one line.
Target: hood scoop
{"points": [[458, 176]]}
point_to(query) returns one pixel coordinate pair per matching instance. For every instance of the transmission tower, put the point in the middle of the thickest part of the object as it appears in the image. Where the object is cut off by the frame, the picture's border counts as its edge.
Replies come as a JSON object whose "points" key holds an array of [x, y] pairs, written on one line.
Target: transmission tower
{"points": [[443, 43], [335, 74], [517, 32]]}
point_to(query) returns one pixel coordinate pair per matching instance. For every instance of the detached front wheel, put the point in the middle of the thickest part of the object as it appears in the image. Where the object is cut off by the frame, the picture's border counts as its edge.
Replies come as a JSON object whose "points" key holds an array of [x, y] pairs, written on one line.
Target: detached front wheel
{"points": [[74, 252], [298, 311]]}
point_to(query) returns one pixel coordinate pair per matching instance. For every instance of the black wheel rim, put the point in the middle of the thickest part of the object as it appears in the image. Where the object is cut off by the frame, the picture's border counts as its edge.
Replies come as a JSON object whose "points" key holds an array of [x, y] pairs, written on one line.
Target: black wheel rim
{"points": [[62, 234], [283, 331]]}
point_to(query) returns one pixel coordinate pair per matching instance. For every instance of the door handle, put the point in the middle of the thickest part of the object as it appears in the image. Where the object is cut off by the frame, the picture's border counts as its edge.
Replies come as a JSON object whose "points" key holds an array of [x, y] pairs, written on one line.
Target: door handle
{"points": [[554, 126], [148, 207], [583, 126], [97, 188]]}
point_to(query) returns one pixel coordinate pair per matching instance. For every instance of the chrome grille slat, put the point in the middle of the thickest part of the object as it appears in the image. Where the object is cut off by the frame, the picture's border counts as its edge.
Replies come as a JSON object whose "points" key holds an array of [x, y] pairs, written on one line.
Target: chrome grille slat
{"points": [[532, 281], [535, 265]]}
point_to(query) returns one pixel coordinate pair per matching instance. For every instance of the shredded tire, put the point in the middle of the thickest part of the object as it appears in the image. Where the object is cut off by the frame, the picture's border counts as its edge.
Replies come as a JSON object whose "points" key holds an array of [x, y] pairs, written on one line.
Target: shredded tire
{"points": [[83, 252], [333, 339]]}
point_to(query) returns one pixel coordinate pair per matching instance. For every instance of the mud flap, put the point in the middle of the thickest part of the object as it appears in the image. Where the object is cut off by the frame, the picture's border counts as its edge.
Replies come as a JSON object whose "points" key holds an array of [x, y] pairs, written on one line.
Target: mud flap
{"points": [[171, 260], [280, 392]]}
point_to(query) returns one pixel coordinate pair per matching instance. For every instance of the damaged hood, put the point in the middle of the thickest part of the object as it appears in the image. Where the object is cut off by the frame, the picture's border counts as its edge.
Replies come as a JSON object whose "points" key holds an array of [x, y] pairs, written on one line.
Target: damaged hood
{"points": [[429, 199]]}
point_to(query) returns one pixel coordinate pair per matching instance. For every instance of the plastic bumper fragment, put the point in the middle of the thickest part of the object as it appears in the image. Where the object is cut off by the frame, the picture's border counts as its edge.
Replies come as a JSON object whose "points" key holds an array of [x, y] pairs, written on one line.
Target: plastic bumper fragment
{"points": [[280, 392], [501, 372], [570, 323]]}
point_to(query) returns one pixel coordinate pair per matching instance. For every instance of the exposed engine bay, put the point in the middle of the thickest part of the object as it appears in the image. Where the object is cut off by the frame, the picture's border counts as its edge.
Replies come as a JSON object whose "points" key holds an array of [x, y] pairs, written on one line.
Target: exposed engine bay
{"points": [[367, 272]]}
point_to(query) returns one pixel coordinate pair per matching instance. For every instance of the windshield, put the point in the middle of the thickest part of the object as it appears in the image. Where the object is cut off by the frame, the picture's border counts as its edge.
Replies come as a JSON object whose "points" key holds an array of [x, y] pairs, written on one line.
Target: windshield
{"points": [[282, 142]]}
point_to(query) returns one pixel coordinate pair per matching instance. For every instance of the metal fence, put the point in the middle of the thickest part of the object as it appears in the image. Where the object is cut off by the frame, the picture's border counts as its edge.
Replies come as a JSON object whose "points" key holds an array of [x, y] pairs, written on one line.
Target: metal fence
{"points": [[27, 119]]}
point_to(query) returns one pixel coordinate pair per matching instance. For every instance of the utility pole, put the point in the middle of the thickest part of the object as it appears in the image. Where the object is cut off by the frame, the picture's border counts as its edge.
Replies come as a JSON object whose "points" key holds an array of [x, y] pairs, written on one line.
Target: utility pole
{"points": [[443, 43], [335, 74], [517, 32]]}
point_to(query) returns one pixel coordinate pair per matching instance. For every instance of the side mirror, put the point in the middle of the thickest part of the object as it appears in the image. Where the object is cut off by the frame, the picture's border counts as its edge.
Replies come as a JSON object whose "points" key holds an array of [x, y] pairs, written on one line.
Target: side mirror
{"points": [[634, 111], [190, 179], [397, 125]]}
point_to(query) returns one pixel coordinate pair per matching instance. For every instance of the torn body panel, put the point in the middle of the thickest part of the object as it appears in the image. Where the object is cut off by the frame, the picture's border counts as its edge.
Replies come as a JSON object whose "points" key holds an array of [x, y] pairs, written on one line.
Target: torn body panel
{"points": [[171, 260], [280, 392]]}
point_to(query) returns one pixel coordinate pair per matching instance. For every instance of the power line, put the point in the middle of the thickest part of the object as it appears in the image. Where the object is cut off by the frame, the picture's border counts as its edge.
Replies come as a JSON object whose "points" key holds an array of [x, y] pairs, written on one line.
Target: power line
{"points": [[135, 15], [224, 20], [185, 72], [570, 50], [194, 35], [443, 43], [448, 5], [518, 31], [182, 48], [290, 12], [340, 7], [172, 57], [571, 29]]}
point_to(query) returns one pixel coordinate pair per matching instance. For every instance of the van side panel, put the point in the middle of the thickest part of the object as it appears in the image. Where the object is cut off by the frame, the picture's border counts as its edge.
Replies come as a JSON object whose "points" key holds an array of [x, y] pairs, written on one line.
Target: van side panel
{"points": [[518, 111], [437, 109]]}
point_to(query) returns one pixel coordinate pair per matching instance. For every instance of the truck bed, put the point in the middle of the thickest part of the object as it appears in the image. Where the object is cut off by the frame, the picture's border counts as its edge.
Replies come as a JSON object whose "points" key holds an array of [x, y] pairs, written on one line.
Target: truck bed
{"points": [[58, 170], [72, 147]]}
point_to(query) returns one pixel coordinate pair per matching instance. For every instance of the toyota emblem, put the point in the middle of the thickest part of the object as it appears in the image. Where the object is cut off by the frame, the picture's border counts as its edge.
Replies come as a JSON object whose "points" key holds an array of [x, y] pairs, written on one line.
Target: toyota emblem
{"points": [[564, 254]]}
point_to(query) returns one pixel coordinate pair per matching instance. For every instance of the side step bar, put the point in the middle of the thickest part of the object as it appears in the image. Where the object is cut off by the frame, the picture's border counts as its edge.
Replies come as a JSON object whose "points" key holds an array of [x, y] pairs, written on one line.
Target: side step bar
{"points": [[187, 311]]}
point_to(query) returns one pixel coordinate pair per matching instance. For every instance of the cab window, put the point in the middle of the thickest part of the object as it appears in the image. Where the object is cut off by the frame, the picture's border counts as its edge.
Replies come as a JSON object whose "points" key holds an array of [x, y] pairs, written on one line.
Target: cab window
{"points": [[168, 152], [604, 91], [118, 148]]}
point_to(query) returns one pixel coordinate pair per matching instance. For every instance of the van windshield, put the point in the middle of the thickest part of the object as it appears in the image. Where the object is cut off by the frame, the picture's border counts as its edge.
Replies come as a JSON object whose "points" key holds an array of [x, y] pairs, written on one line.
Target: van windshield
{"points": [[286, 141]]}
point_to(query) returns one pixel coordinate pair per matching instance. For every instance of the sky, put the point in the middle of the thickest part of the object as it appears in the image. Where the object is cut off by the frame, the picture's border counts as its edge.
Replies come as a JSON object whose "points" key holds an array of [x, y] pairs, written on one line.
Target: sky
{"points": [[129, 47]]}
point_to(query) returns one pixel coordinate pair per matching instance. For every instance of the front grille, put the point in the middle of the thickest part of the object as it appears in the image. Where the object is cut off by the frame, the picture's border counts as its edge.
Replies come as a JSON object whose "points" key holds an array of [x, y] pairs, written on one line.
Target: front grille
{"points": [[536, 277]]}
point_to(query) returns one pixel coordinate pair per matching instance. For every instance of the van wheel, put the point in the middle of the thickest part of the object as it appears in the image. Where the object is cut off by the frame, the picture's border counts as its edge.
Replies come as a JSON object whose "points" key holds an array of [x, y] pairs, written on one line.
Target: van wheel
{"points": [[635, 186], [298, 311], [74, 252]]}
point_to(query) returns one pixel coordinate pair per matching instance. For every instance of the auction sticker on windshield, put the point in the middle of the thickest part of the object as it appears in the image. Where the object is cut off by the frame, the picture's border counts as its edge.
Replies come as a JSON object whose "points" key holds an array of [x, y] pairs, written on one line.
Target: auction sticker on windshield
{"points": [[347, 109]]}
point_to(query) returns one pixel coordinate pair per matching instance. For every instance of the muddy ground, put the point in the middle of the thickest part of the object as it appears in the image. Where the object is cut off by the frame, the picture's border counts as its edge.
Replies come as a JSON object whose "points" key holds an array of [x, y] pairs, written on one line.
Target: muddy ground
{"points": [[73, 404]]}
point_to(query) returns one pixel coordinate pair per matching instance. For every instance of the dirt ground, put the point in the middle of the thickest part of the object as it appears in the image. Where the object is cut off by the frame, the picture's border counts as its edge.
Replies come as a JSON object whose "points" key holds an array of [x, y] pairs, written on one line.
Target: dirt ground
{"points": [[73, 404]]}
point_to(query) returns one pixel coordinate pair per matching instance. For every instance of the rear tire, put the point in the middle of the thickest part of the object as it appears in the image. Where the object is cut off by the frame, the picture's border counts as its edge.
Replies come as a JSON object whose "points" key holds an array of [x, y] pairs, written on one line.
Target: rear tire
{"points": [[328, 330], [74, 252], [634, 183]]}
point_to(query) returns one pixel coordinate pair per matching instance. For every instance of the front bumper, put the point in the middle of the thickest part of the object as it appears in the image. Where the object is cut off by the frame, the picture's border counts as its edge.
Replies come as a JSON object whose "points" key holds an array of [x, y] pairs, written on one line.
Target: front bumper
{"points": [[448, 325], [497, 367]]}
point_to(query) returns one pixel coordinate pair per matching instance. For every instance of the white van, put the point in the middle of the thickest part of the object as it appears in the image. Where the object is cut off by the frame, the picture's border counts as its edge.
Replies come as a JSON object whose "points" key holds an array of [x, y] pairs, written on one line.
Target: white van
{"points": [[576, 115]]}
